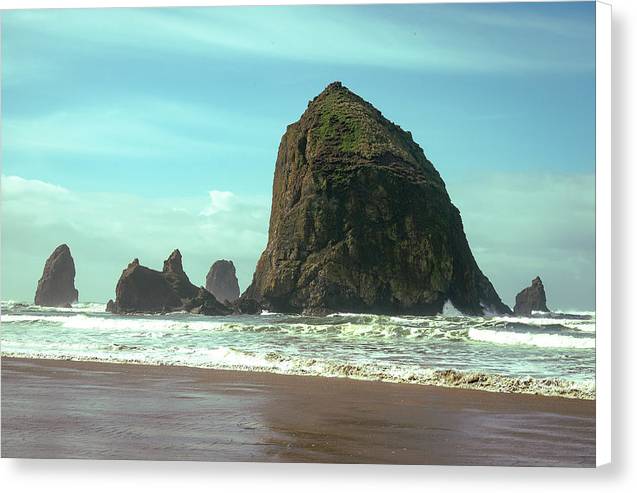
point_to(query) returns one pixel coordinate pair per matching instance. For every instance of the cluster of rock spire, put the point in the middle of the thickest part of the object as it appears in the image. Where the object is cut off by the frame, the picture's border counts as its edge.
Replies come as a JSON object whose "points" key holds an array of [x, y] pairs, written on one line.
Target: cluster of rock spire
{"points": [[144, 290]]}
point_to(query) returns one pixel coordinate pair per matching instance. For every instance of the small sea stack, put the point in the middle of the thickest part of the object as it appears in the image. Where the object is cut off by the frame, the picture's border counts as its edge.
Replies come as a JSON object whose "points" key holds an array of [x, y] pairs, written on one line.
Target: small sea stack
{"points": [[530, 299], [144, 290], [222, 281], [246, 306], [56, 287]]}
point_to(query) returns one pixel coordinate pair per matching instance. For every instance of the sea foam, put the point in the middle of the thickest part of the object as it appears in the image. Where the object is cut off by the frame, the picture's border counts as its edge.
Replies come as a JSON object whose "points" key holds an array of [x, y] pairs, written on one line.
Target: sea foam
{"points": [[224, 358], [550, 355]]}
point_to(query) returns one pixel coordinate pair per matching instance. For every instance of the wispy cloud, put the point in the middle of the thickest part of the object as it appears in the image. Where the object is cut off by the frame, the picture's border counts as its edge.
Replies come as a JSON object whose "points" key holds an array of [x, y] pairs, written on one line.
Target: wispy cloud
{"points": [[565, 27], [435, 40], [131, 128]]}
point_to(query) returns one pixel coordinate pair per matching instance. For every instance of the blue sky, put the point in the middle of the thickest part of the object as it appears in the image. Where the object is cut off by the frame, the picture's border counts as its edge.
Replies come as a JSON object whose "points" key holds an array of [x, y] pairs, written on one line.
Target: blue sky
{"points": [[129, 132]]}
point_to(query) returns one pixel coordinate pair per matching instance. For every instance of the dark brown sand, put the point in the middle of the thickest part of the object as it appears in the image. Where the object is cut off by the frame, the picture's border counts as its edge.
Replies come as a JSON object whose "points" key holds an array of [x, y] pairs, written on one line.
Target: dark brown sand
{"points": [[63, 409]]}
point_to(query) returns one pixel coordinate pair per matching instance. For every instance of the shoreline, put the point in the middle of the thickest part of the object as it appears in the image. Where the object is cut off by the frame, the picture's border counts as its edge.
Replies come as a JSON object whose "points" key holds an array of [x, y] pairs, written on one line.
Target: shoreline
{"points": [[461, 380], [70, 409]]}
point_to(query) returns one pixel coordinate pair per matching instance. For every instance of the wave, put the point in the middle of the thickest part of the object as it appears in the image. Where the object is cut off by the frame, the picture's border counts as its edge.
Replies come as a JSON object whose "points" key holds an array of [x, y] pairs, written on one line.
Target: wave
{"points": [[225, 358], [503, 330], [113, 323], [225, 324], [584, 323], [448, 310], [428, 350], [531, 339], [88, 307], [567, 313]]}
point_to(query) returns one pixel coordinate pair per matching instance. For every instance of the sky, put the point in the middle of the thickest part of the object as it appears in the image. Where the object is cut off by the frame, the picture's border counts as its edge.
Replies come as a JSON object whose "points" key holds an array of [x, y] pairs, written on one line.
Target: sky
{"points": [[130, 132]]}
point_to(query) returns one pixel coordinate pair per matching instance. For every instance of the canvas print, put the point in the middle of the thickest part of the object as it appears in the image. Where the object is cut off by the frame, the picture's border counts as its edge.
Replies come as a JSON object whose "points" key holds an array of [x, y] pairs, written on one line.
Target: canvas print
{"points": [[338, 234]]}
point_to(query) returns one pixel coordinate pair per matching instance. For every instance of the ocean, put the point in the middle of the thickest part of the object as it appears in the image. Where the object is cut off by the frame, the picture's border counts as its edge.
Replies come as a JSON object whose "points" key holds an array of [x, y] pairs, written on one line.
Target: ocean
{"points": [[547, 354]]}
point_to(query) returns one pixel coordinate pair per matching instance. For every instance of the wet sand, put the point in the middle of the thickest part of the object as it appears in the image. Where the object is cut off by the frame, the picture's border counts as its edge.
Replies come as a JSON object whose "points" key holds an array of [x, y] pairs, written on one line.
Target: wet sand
{"points": [[65, 409]]}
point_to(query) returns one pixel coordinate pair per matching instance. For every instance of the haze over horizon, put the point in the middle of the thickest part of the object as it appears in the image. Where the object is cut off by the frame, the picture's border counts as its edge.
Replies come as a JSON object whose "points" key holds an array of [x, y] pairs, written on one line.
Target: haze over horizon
{"points": [[131, 132]]}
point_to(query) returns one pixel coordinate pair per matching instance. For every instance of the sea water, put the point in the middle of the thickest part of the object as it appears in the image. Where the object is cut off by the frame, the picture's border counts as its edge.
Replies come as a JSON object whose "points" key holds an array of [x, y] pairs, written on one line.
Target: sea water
{"points": [[548, 354]]}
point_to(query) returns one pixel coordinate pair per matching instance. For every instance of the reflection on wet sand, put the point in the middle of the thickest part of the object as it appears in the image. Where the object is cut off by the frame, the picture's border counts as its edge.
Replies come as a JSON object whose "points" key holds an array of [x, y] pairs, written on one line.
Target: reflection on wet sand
{"points": [[97, 410]]}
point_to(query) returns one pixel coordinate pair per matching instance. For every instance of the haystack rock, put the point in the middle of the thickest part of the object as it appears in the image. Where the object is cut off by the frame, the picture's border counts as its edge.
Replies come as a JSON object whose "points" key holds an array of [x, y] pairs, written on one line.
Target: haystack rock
{"points": [[144, 290], [361, 221], [530, 299], [56, 287], [222, 281]]}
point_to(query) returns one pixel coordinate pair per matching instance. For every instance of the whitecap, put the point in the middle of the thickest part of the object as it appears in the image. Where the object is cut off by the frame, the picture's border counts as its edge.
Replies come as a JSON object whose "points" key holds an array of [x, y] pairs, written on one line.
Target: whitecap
{"points": [[548, 340], [448, 310]]}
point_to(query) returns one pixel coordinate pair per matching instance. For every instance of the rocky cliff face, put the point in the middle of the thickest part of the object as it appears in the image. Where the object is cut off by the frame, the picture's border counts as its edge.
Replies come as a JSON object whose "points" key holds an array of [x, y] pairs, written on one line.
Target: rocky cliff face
{"points": [[361, 221], [532, 298], [56, 287], [144, 290], [222, 281]]}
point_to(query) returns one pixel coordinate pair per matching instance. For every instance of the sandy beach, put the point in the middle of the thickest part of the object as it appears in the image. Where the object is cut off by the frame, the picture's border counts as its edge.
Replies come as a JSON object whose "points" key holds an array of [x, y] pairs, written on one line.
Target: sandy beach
{"points": [[67, 409]]}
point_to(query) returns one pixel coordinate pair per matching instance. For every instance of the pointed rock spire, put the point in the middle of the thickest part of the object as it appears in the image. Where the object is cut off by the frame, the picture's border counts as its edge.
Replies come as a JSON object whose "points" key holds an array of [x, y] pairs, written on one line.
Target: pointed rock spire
{"points": [[173, 263], [531, 298], [222, 281], [56, 287]]}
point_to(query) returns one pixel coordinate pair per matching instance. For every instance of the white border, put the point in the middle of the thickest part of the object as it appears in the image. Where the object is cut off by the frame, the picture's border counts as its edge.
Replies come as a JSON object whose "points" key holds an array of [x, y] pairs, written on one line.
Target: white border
{"points": [[603, 231]]}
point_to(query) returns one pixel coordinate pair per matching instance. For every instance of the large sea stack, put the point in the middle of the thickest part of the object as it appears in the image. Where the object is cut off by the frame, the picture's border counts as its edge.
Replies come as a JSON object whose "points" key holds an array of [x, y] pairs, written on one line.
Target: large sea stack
{"points": [[144, 290], [222, 281], [56, 287], [361, 221], [530, 299]]}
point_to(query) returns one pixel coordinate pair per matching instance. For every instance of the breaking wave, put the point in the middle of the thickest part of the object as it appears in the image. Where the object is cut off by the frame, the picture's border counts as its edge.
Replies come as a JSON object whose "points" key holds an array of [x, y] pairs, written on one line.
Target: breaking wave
{"points": [[75, 307], [546, 340], [549, 354], [224, 358], [506, 331]]}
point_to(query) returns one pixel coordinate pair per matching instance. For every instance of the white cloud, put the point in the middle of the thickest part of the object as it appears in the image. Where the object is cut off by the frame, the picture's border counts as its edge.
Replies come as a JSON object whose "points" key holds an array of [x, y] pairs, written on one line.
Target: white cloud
{"points": [[219, 201], [15, 187]]}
